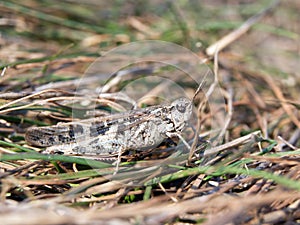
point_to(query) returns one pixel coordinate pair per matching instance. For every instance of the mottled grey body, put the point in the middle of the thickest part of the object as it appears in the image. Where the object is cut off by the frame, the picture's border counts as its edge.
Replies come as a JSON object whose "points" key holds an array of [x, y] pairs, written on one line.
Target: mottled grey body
{"points": [[106, 136]]}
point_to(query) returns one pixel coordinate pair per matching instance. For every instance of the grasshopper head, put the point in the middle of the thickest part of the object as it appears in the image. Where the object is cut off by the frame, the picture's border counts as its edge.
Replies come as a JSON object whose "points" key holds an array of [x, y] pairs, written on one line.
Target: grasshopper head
{"points": [[181, 113]]}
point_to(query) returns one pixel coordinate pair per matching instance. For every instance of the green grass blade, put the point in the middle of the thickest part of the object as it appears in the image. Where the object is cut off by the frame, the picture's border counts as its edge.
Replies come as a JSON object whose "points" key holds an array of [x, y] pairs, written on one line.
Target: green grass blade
{"points": [[62, 158]]}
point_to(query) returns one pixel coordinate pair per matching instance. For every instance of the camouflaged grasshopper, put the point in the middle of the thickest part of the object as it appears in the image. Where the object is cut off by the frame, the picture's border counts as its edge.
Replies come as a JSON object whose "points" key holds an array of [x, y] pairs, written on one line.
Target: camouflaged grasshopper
{"points": [[112, 135]]}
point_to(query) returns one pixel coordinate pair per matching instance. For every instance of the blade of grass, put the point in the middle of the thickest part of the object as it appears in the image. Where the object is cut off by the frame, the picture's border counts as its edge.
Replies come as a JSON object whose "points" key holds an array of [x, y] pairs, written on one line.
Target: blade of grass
{"points": [[61, 158], [8, 144], [19, 120], [54, 19], [43, 59], [147, 193], [71, 175], [225, 170]]}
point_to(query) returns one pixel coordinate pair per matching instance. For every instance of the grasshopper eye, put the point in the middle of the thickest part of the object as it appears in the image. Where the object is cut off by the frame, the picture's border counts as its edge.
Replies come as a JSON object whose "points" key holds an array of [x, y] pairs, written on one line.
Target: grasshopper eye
{"points": [[181, 107]]}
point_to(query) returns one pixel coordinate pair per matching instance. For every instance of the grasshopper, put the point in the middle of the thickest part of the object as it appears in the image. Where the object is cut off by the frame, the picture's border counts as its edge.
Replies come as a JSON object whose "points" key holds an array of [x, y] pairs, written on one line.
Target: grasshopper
{"points": [[112, 135]]}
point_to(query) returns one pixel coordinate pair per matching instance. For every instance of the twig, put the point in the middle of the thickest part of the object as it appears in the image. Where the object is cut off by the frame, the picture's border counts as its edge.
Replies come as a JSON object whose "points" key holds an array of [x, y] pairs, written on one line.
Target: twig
{"points": [[28, 97], [231, 37], [231, 144], [286, 143], [63, 98]]}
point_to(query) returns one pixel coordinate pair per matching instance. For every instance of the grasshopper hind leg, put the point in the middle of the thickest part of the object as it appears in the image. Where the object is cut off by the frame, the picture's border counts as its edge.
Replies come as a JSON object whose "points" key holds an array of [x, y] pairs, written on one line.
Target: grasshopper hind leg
{"points": [[118, 161]]}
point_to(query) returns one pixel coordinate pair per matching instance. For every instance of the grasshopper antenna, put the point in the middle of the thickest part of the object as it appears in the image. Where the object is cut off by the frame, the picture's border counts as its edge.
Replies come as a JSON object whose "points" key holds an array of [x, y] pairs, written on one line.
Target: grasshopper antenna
{"points": [[195, 141], [200, 86]]}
